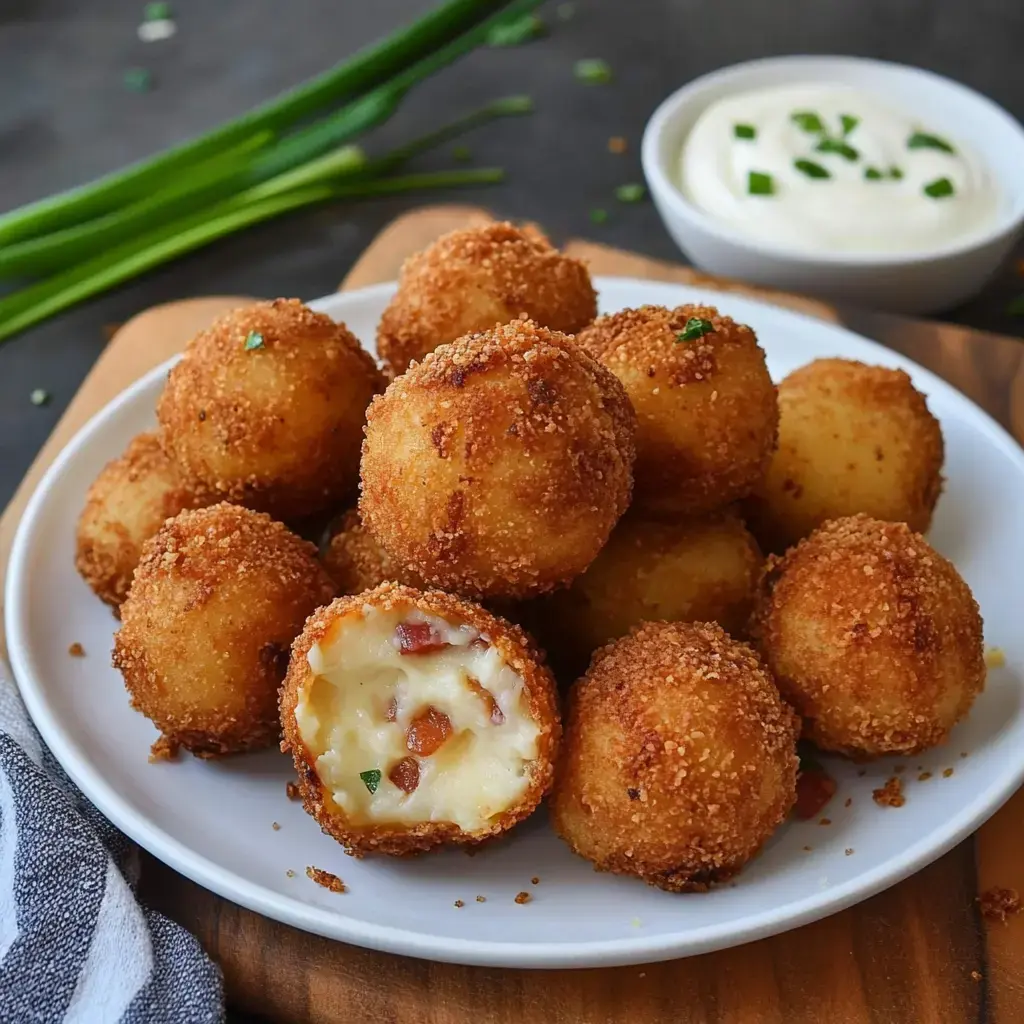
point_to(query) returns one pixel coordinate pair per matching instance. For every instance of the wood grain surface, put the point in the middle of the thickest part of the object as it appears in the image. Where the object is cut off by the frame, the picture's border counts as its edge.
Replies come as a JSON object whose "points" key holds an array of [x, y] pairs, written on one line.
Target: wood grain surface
{"points": [[920, 952]]}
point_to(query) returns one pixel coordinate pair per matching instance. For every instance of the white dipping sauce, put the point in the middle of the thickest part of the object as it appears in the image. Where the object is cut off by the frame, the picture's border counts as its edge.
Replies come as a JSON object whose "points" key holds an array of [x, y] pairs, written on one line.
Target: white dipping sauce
{"points": [[874, 198]]}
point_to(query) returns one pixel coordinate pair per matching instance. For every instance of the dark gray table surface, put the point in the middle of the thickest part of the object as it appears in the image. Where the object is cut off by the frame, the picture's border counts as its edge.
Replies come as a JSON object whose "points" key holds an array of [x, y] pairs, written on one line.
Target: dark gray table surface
{"points": [[65, 116]]}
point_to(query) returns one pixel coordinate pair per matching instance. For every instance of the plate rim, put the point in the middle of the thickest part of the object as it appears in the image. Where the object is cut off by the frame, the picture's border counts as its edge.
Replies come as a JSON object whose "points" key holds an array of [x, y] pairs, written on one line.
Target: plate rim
{"points": [[331, 924]]}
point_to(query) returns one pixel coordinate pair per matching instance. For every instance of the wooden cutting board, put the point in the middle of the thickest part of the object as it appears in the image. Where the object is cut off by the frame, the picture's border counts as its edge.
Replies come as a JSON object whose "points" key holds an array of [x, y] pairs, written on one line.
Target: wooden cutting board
{"points": [[920, 952]]}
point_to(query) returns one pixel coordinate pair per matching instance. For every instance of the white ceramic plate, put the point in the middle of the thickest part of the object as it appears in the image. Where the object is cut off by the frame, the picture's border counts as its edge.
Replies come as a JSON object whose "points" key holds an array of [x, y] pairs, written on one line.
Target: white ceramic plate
{"points": [[213, 821]]}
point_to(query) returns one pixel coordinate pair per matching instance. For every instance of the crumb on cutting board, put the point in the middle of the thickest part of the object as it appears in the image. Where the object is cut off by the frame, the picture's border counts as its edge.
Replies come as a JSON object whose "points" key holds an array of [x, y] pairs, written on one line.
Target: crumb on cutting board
{"points": [[998, 904], [164, 749], [327, 879], [890, 795]]}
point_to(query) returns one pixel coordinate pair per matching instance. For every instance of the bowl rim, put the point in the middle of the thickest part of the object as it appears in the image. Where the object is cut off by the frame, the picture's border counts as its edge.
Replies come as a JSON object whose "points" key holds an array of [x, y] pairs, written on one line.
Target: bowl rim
{"points": [[683, 98]]}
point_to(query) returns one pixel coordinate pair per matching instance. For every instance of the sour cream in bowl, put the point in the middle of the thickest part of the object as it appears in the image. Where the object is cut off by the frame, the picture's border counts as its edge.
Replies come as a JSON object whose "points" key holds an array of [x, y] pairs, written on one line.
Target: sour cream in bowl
{"points": [[858, 180]]}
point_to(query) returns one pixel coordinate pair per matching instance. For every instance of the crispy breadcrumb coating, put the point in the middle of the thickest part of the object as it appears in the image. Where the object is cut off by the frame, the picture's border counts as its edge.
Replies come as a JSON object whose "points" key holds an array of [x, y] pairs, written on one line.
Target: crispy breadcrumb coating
{"points": [[267, 407], [468, 281], [852, 438], [126, 504], [538, 701], [219, 595], [872, 636], [356, 562], [706, 407], [679, 758], [700, 569], [498, 466]]}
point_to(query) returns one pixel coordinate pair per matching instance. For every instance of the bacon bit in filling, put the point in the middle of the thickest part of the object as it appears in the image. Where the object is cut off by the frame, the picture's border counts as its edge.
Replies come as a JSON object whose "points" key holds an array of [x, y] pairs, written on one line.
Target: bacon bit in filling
{"points": [[418, 638], [406, 774], [497, 716], [392, 712], [814, 788], [428, 732]]}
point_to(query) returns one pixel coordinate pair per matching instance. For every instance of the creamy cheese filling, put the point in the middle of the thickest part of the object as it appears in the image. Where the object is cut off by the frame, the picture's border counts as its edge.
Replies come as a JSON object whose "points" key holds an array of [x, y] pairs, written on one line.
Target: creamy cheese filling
{"points": [[441, 735]]}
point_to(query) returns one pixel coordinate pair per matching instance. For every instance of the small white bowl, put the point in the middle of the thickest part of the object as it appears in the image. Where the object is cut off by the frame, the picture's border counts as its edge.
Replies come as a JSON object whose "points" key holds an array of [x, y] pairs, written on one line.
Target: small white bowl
{"points": [[913, 283]]}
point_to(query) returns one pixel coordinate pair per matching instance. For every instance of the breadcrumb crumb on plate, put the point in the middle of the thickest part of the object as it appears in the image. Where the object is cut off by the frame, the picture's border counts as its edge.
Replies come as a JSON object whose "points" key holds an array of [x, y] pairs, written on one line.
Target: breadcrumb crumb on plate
{"points": [[210, 820]]}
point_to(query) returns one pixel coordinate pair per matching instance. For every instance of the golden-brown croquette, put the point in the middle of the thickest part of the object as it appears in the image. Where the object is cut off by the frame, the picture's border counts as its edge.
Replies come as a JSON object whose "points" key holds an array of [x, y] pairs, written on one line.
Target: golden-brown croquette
{"points": [[872, 636], [705, 404], [267, 408], [355, 561], [679, 757], [468, 281], [702, 569], [217, 599], [498, 466], [852, 438], [417, 718], [126, 504]]}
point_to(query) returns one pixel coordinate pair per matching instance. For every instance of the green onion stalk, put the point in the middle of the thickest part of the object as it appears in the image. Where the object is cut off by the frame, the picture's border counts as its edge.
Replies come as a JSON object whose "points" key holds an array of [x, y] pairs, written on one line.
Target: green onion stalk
{"points": [[454, 28]]}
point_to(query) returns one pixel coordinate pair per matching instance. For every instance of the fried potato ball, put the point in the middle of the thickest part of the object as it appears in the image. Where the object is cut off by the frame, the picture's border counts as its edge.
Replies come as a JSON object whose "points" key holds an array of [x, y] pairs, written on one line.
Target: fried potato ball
{"points": [[356, 562], [417, 718], [873, 637], [679, 757], [702, 569], [498, 466], [468, 281], [126, 504], [267, 407], [852, 438], [217, 599], [705, 404]]}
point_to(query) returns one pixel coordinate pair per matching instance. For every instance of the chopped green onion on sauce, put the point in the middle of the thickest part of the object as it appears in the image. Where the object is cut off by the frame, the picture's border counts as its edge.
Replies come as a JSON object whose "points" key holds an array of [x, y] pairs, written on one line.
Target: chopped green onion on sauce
{"points": [[939, 188], [849, 122], [807, 121], [924, 140], [744, 131], [760, 184], [843, 149], [811, 169]]}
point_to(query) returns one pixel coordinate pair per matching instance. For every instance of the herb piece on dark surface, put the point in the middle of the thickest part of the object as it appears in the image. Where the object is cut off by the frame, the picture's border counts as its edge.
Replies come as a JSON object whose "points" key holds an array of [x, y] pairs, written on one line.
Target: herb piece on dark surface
{"points": [[593, 71], [633, 192]]}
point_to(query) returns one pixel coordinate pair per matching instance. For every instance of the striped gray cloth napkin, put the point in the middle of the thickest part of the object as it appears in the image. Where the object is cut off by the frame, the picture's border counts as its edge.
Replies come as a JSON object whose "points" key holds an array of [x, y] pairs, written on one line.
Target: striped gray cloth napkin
{"points": [[76, 947]]}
